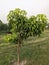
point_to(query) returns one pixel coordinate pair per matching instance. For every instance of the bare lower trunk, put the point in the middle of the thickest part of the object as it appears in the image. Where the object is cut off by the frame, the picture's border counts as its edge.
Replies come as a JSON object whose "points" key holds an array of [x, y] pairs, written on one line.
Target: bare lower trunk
{"points": [[18, 53]]}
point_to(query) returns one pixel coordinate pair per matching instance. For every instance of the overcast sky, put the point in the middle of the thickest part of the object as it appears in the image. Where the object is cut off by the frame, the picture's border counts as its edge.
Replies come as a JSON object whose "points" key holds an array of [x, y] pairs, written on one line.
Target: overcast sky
{"points": [[33, 7]]}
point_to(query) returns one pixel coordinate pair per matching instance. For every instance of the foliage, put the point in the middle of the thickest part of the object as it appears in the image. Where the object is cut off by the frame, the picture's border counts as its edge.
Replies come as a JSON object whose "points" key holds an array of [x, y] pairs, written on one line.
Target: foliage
{"points": [[23, 27], [18, 23], [38, 24]]}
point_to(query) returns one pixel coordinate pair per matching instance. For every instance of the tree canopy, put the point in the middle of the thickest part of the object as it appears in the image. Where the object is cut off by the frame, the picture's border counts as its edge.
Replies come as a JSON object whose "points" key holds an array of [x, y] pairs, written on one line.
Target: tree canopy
{"points": [[22, 27]]}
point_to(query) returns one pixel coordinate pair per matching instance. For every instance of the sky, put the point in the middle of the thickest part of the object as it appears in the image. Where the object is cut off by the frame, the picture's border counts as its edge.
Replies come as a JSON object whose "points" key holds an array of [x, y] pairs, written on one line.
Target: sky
{"points": [[33, 7]]}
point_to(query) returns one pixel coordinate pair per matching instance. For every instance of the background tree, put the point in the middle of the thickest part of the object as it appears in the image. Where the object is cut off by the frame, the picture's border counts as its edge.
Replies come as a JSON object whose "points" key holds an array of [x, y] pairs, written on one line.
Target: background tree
{"points": [[38, 24], [22, 27], [43, 19]]}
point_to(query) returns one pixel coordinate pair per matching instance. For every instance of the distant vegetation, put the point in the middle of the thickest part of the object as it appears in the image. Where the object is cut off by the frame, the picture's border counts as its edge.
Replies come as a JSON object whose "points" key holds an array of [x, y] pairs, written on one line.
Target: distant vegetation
{"points": [[3, 27]]}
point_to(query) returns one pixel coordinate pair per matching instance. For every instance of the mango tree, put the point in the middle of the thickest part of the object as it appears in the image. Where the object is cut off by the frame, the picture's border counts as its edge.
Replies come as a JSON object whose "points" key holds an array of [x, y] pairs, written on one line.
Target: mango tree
{"points": [[21, 27]]}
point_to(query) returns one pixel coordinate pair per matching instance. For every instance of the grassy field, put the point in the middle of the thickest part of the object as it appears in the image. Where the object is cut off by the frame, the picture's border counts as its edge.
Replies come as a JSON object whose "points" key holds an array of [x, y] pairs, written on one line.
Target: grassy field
{"points": [[34, 51]]}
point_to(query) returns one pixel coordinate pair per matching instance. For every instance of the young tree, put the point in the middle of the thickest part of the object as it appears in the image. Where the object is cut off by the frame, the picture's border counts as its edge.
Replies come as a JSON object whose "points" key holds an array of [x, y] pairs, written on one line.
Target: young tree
{"points": [[22, 27], [19, 26]]}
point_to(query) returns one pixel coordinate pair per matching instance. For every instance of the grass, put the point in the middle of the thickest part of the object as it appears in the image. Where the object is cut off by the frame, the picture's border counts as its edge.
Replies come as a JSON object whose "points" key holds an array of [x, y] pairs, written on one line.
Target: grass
{"points": [[36, 53]]}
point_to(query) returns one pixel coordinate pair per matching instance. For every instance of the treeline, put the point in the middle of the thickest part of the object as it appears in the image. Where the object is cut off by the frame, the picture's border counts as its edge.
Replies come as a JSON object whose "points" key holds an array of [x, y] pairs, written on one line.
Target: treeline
{"points": [[4, 28]]}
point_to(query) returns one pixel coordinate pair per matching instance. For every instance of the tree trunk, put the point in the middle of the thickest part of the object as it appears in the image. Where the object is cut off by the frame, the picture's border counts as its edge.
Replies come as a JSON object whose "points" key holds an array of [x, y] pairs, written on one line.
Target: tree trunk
{"points": [[18, 53]]}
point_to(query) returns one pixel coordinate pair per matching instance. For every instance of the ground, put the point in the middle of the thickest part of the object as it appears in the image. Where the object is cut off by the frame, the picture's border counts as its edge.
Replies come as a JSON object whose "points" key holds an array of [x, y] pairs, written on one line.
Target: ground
{"points": [[35, 51]]}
